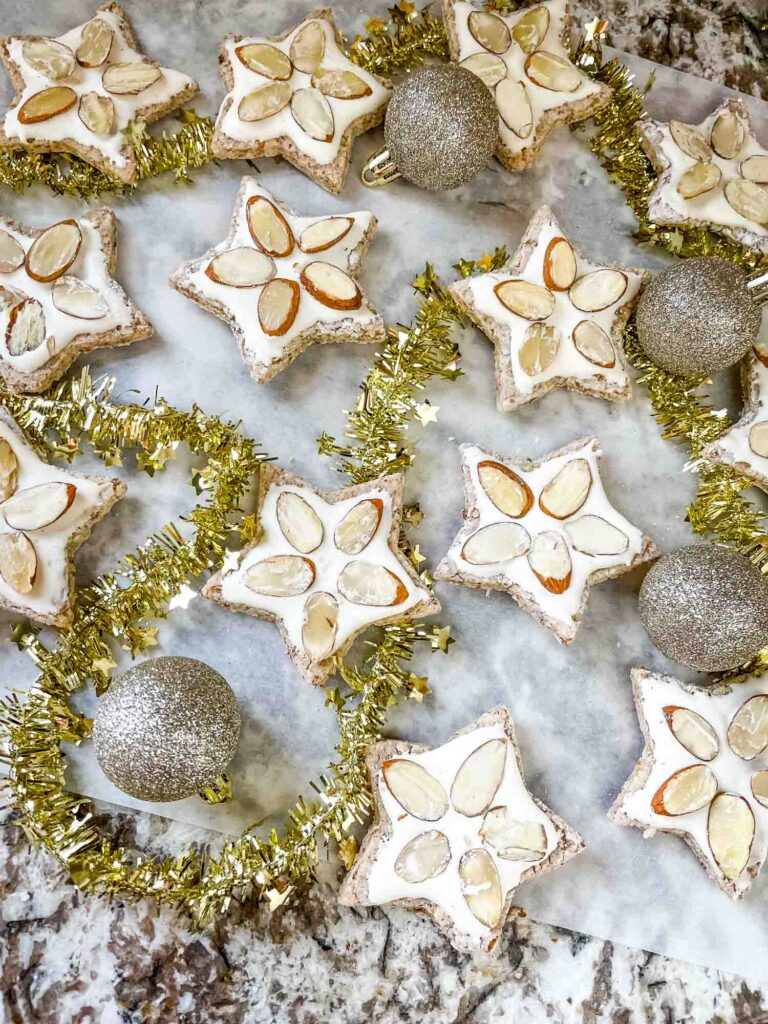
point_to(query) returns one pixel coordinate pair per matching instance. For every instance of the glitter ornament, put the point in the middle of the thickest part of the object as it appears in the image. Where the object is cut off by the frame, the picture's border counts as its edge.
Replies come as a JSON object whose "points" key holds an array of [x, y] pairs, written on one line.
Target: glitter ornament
{"points": [[698, 316], [706, 607], [166, 728], [440, 130]]}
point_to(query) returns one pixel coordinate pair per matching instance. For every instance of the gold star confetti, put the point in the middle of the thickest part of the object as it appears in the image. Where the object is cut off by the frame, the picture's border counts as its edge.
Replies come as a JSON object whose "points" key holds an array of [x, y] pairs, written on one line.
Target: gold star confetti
{"points": [[419, 687], [442, 639], [183, 598], [426, 413]]}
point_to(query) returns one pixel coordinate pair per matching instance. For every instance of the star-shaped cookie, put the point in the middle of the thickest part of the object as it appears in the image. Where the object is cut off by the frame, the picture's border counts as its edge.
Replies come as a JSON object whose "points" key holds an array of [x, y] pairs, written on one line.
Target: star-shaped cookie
{"points": [[45, 515], [542, 531], [554, 317], [713, 174], [524, 59], [456, 831], [703, 774], [77, 93], [326, 566], [58, 298], [284, 282], [297, 96]]}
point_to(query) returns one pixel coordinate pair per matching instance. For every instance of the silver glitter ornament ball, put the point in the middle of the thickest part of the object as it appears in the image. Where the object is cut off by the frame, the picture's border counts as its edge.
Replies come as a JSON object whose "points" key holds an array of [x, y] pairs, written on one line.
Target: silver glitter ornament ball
{"points": [[441, 127], [697, 316], [166, 728], [706, 607]]}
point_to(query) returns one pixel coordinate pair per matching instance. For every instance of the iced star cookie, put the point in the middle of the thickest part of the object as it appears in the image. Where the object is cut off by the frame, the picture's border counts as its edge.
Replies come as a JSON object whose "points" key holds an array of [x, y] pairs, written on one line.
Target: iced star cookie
{"points": [[297, 96], [713, 174], [455, 832], [554, 317], [58, 298], [77, 93], [703, 774], [524, 59], [542, 531], [45, 515], [284, 282], [326, 566]]}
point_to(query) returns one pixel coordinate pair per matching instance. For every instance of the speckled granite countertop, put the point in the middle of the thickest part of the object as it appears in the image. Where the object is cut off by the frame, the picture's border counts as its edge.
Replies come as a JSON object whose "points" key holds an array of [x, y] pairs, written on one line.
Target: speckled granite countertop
{"points": [[67, 958]]}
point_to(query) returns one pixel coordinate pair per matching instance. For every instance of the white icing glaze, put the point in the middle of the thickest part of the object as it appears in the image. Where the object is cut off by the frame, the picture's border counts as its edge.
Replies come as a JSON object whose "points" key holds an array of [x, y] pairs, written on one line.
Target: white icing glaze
{"points": [[711, 206], [51, 588], [283, 124], [68, 125], [568, 363], [328, 562], [463, 833], [241, 303], [733, 774], [91, 267], [541, 99], [560, 607]]}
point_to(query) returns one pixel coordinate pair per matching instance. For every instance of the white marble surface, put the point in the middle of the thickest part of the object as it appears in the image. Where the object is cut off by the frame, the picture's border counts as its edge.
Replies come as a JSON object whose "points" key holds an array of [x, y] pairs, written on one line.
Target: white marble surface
{"points": [[573, 707]]}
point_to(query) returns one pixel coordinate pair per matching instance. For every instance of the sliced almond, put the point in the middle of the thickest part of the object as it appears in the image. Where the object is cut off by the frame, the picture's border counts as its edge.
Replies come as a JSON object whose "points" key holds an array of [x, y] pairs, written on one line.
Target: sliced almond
{"points": [[95, 43], [748, 731], [49, 57], [278, 305], [690, 141], [97, 113], [301, 525], [129, 78], [592, 342], [693, 731], [489, 31], [687, 790], [308, 47], [727, 135], [331, 285], [514, 107], [530, 301], [758, 439], [593, 535], [551, 71], [34, 508], [698, 179], [325, 233], [358, 527], [731, 831], [759, 784], [481, 887], [264, 102], [321, 618], [489, 68], [54, 251], [511, 838], [508, 492], [761, 351], [559, 266], [243, 267], [598, 290], [530, 30], [266, 60], [567, 491], [749, 199], [9, 466], [425, 856], [340, 84], [312, 113], [496, 543], [18, 562], [268, 227], [550, 562], [415, 789], [11, 253], [76, 298], [42, 106], [372, 585], [539, 348], [478, 778], [281, 576], [755, 168], [25, 330]]}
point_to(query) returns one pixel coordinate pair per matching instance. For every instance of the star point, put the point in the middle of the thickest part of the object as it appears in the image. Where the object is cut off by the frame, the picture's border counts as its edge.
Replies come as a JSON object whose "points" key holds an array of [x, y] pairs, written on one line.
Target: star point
{"points": [[744, 446]]}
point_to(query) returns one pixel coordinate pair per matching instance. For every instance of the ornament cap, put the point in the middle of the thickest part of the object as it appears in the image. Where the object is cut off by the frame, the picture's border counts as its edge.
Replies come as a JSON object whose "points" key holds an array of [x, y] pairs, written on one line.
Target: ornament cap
{"points": [[380, 169]]}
